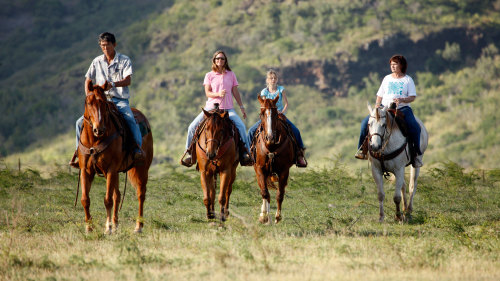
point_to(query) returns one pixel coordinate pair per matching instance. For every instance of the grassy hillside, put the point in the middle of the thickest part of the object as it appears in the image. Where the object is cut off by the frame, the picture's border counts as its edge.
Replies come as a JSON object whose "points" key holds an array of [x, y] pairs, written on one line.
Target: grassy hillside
{"points": [[332, 56], [330, 230]]}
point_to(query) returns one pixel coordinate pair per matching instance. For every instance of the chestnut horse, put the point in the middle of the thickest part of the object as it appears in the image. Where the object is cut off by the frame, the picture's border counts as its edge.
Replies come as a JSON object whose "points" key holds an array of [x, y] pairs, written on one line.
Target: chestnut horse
{"points": [[101, 151], [217, 153], [274, 155]]}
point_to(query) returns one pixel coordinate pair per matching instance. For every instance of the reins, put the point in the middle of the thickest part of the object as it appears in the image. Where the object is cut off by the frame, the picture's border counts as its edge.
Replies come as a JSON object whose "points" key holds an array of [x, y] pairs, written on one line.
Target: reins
{"points": [[379, 155], [222, 146], [95, 150]]}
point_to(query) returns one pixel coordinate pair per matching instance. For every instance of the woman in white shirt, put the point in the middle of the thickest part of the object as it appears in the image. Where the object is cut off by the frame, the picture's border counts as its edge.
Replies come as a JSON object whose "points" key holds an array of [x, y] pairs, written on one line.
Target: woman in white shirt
{"points": [[397, 88]]}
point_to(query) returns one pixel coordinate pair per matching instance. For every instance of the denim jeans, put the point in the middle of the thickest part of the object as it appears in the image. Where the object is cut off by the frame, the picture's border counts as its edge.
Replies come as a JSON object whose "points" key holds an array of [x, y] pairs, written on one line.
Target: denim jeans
{"points": [[295, 131], [232, 115], [411, 123], [124, 108]]}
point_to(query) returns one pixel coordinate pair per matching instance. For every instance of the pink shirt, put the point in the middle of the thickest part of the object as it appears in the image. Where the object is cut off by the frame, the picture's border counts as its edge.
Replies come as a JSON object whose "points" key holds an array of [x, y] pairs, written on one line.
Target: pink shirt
{"points": [[218, 82]]}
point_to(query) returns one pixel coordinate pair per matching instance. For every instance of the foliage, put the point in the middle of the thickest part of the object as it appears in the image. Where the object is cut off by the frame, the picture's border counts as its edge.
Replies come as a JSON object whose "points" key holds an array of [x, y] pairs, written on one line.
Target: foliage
{"points": [[336, 50]]}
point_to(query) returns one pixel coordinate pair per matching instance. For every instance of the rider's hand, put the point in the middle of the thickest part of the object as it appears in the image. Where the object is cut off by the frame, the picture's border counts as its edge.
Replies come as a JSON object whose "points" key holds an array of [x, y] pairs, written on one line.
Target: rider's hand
{"points": [[222, 93], [244, 113]]}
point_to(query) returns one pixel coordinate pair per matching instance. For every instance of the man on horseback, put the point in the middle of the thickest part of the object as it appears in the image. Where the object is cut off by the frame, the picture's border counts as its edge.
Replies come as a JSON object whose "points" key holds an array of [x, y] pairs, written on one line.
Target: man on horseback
{"points": [[397, 88], [116, 69]]}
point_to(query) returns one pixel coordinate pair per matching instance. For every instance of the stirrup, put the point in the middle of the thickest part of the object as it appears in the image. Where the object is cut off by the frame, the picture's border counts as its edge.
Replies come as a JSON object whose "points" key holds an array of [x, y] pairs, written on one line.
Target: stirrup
{"points": [[74, 163], [246, 160], [360, 155], [188, 161], [301, 165]]}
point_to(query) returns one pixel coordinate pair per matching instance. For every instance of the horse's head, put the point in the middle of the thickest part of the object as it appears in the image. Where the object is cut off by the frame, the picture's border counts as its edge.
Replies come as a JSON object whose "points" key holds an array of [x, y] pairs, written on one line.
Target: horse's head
{"points": [[377, 126], [269, 118], [96, 113], [214, 131]]}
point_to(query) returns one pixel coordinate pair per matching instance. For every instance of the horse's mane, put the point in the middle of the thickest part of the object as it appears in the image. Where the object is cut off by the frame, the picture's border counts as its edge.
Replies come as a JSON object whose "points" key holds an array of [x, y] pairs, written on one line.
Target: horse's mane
{"points": [[389, 121], [97, 90]]}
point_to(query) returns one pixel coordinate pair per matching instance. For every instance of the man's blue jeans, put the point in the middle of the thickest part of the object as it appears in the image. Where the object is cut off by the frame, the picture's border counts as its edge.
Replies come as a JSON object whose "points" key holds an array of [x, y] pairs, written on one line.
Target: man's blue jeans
{"points": [[124, 108]]}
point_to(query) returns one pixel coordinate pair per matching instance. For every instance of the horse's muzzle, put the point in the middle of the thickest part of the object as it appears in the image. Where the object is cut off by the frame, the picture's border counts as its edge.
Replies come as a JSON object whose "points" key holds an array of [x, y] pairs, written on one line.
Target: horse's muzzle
{"points": [[98, 132], [211, 155]]}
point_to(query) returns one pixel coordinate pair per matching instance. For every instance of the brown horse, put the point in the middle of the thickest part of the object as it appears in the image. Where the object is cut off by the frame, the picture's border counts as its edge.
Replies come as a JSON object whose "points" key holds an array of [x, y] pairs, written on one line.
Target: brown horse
{"points": [[274, 155], [217, 153], [101, 151]]}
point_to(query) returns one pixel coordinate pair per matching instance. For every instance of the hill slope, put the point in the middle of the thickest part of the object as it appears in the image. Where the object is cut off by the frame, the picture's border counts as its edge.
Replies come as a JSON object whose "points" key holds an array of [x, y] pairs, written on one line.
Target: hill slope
{"points": [[332, 57]]}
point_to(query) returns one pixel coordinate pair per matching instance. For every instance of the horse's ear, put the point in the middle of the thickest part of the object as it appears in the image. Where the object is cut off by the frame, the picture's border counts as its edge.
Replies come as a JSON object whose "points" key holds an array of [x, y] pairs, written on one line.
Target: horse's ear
{"points": [[275, 100], [90, 86], [105, 86], [261, 100], [207, 114], [370, 109]]}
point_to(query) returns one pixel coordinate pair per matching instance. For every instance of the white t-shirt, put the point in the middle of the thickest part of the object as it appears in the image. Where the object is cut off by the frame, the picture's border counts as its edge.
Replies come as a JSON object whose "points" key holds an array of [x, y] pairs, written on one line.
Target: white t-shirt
{"points": [[392, 88]]}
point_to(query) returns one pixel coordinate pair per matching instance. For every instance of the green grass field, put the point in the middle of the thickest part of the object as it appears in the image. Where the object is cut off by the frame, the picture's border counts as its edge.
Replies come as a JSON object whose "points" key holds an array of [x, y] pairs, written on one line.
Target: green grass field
{"points": [[330, 229]]}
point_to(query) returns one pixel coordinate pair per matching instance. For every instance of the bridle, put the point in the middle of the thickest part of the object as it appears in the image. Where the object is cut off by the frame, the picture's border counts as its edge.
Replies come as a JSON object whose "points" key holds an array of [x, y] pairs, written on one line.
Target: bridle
{"points": [[269, 120], [87, 119], [379, 155], [381, 136]]}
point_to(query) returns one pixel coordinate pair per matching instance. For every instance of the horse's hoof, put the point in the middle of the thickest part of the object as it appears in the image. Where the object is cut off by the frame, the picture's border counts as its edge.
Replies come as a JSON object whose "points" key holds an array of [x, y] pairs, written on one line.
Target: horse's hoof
{"points": [[89, 229], [398, 218], [138, 230], [381, 219], [108, 231], [264, 219]]}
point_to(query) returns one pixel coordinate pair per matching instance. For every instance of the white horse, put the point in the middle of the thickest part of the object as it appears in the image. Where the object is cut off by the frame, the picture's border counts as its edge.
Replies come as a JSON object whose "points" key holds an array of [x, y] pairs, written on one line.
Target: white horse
{"points": [[389, 152]]}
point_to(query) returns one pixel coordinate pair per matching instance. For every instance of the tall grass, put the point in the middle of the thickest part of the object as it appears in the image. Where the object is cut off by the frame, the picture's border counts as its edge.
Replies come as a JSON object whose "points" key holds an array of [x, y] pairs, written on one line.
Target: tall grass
{"points": [[329, 231]]}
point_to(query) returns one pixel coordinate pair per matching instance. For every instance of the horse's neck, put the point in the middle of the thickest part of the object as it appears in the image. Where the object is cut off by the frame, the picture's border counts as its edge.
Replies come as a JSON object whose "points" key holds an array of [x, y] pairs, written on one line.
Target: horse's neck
{"points": [[87, 136], [396, 138]]}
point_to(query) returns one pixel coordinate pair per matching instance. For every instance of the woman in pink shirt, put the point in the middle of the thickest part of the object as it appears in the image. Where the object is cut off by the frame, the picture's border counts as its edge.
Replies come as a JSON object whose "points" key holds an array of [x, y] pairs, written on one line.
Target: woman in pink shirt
{"points": [[220, 87]]}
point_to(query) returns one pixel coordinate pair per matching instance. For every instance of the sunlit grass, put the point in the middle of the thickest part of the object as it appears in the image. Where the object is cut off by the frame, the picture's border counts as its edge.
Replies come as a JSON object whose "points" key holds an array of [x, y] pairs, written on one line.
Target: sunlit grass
{"points": [[330, 229]]}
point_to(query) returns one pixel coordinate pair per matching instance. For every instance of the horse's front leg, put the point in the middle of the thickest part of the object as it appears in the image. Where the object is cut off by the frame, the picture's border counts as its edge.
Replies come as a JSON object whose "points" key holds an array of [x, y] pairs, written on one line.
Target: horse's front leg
{"points": [[412, 188], [86, 182], [266, 198], [224, 193], [280, 194], [207, 184], [111, 185], [377, 177], [116, 204], [400, 181]]}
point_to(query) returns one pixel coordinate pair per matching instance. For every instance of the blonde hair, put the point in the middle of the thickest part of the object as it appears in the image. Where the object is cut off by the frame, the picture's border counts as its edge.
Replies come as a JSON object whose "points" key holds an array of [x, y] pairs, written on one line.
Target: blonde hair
{"points": [[269, 73]]}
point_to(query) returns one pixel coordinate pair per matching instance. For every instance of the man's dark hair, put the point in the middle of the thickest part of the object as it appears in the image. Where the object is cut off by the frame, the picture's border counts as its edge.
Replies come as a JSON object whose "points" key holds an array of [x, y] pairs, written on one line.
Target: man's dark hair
{"points": [[106, 36]]}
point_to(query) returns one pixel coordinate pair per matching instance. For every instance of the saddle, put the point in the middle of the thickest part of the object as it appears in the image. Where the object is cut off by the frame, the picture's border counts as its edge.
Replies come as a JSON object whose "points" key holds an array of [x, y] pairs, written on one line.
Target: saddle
{"points": [[123, 128], [399, 117], [401, 123], [260, 129], [240, 145]]}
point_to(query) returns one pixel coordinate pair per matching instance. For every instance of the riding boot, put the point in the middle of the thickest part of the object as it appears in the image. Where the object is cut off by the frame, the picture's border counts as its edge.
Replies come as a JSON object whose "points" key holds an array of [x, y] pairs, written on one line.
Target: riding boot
{"points": [[74, 162], [139, 157], [245, 159], [362, 153], [301, 159], [187, 159]]}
